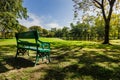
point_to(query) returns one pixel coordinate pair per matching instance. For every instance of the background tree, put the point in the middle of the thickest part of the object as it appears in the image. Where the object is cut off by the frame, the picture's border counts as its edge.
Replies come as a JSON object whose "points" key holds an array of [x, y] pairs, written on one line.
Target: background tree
{"points": [[99, 28], [76, 31], [38, 28], [104, 7], [22, 28], [51, 34], [58, 33], [45, 32], [80, 31], [115, 26], [65, 32]]}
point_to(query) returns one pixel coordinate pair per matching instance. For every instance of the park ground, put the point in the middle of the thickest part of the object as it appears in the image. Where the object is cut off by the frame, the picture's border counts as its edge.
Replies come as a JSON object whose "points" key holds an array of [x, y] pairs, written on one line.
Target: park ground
{"points": [[70, 60]]}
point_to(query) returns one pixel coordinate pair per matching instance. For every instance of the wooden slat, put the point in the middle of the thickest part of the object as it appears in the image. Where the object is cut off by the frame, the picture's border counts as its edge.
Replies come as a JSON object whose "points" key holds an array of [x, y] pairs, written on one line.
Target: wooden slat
{"points": [[27, 35]]}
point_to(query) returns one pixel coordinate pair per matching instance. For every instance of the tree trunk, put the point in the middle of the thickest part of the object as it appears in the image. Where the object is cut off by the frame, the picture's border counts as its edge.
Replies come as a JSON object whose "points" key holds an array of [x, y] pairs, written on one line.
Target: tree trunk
{"points": [[3, 33], [106, 37]]}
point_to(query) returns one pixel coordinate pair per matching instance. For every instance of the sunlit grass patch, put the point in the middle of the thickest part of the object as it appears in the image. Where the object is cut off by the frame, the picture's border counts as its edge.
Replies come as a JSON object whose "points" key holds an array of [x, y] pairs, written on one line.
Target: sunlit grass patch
{"points": [[70, 60], [7, 41]]}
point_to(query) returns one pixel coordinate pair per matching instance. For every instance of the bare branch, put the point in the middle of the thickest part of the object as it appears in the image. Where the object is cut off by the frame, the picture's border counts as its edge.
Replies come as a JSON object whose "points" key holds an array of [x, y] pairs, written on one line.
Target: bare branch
{"points": [[95, 1], [98, 6]]}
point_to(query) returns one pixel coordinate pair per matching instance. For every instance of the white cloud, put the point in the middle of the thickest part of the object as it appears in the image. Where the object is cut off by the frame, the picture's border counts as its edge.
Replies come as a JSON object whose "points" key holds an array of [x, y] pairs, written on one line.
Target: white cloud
{"points": [[44, 22], [53, 25], [31, 21]]}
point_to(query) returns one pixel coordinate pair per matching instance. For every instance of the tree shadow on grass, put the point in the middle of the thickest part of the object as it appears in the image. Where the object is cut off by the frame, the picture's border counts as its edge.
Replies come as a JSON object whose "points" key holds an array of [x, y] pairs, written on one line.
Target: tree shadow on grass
{"points": [[7, 48], [3, 68], [88, 60], [92, 57], [90, 68], [19, 62], [61, 57], [95, 71], [54, 74], [8, 61]]}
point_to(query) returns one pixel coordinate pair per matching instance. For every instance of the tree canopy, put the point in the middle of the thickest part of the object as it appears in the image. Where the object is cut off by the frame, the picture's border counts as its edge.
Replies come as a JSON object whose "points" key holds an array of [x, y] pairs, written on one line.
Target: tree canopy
{"points": [[10, 11], [13, 8], [101, 7]]}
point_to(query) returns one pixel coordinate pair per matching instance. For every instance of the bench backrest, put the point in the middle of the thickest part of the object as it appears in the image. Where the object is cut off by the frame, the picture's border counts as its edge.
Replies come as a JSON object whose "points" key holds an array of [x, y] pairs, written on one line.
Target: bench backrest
{"points": [[27, 35]]}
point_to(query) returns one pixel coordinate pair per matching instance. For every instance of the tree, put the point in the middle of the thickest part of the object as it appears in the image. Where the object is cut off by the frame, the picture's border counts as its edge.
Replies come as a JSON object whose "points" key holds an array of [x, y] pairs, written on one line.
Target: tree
{"points": [[38, 28], [44, 32], [115, 26], [22, 28], [10, 10], [13, 8], [76, 31], [105, 7], [99, 27], [7, 25], [65, 31], [80, 31], [51, 34], [58, 33]]}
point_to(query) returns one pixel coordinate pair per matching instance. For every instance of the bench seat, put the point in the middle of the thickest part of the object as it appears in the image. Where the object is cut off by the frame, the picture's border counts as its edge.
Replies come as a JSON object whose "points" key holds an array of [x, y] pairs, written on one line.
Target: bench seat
{"points": [[35, 49]]}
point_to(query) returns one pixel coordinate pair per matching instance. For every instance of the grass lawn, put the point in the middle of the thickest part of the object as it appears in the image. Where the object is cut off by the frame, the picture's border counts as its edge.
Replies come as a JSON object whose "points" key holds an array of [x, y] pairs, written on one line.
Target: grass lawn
{"points": [[71, 60]]}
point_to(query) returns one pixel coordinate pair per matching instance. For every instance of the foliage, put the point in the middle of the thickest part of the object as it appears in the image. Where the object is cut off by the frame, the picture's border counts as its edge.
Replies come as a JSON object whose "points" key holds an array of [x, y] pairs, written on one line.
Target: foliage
{"points": [[91, 28], [22, 28], [99, 25], [44, 32], [102, 7], [51, 34], [9, 12], [14, 8], [58, 33], [65, 32], [38, 28], [115, 26], [79, 31]]}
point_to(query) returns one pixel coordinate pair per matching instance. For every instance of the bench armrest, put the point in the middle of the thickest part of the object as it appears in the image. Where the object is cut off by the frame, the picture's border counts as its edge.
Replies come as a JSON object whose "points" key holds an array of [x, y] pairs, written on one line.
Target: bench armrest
{"points": [[22, 42], [44, 44]]}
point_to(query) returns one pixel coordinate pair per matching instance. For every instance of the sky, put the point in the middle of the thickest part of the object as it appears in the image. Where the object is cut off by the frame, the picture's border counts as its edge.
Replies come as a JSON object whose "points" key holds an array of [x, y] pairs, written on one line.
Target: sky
{"points": [[48, 13]]}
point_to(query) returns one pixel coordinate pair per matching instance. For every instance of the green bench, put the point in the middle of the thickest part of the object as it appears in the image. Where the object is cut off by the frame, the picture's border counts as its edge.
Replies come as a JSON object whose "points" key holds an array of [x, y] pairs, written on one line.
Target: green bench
{"points": [[24, 45]]}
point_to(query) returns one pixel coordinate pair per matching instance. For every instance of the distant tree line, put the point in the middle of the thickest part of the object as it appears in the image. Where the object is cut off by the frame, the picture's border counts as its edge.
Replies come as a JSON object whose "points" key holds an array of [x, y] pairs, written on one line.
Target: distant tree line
{"points": [[10, 33], [90, 28]]}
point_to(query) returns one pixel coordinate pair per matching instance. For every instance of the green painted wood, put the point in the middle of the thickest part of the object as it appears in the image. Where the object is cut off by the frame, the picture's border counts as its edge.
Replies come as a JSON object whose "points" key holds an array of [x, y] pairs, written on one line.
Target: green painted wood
{"points": [[41, 48], [27, 35]]}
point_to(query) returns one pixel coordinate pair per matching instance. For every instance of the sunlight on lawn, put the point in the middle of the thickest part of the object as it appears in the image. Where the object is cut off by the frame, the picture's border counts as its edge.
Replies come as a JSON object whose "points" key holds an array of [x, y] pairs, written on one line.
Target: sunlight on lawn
{"points": [[76, 60]]}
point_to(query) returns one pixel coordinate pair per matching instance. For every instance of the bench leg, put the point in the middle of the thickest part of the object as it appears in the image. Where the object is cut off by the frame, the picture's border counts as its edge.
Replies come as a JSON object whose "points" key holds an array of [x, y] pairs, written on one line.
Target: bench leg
{"points": [[42, 55], [28, 52], [16, 53], [37, 58], [48, 55]]}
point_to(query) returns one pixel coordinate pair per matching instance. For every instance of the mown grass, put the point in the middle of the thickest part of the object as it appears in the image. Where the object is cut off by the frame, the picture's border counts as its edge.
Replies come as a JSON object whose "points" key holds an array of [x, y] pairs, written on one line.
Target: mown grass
{"points": [[71, 60]]}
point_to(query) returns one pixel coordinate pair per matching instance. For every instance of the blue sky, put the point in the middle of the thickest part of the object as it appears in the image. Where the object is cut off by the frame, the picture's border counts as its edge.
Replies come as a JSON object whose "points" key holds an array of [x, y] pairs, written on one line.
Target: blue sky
{"points": [[48, 13]]}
